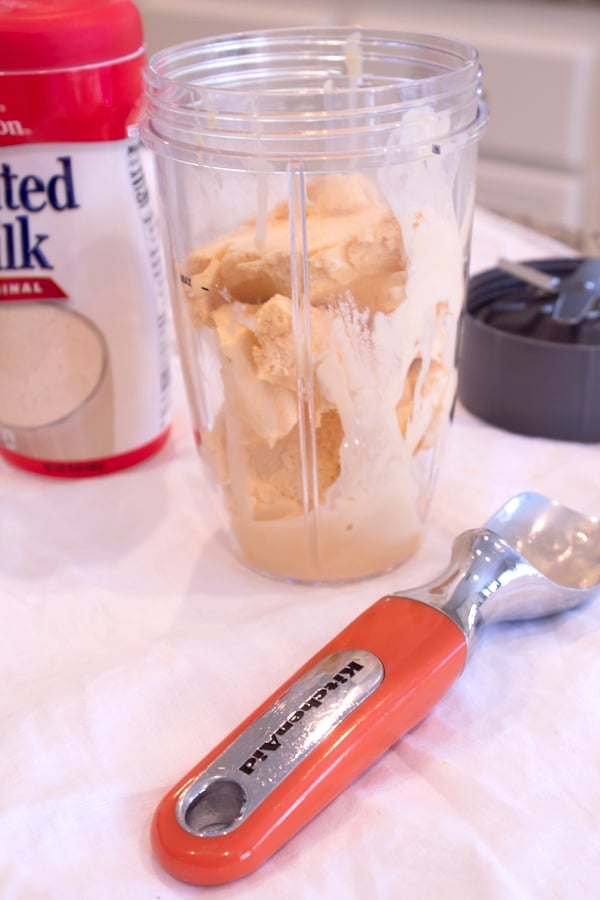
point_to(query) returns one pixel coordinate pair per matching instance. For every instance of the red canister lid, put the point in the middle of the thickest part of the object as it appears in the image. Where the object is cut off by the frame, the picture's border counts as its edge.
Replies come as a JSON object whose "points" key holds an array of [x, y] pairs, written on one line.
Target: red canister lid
{"points": [[70, 70], [59, 34]]}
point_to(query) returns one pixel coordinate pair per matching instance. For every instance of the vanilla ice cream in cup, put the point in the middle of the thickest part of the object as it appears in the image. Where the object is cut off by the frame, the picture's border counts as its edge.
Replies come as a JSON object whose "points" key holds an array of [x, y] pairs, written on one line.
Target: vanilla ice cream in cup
{"points": [[317, 190]]}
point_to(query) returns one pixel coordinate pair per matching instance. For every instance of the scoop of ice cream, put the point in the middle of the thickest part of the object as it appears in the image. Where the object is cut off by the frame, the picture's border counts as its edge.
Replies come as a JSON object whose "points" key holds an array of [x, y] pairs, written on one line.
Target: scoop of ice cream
{"points": [[329, 394], [354, 247], [423, 389], [277, 340], [268, 409], [277, 473]]}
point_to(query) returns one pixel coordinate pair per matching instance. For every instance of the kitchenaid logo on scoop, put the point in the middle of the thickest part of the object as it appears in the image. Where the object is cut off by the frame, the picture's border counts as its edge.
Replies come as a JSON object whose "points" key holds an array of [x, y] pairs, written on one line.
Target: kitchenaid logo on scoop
{"points": [[23, 195], [274, 742]]}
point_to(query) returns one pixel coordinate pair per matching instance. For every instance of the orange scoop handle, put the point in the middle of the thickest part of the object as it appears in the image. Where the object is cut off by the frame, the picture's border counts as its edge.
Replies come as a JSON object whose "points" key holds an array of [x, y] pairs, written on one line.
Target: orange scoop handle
{"points": [[422, 652]]}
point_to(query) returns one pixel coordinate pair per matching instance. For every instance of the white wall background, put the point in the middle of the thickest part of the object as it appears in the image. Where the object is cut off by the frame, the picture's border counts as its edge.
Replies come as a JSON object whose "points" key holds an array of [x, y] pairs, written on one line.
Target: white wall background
{"points": [[540, 156]]}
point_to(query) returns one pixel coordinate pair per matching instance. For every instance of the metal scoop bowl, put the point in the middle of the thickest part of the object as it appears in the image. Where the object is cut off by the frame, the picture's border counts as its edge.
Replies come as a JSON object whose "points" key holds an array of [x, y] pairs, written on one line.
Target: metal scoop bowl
{"points": [[534, 557], [367, 687]]}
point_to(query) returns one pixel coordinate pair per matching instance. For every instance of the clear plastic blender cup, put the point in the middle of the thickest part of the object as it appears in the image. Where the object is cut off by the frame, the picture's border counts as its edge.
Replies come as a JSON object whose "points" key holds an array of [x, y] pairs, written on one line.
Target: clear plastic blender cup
{"points": [[317, 189]]}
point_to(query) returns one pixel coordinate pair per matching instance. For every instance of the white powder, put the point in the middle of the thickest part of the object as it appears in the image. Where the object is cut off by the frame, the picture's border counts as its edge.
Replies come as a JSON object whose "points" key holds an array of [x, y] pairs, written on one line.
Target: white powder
{"points": [[51, 361]]}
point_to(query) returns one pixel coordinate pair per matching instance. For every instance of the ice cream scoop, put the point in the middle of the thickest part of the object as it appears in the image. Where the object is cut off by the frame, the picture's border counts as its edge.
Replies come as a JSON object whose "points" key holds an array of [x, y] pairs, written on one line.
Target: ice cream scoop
{"points": [[367, 687]]}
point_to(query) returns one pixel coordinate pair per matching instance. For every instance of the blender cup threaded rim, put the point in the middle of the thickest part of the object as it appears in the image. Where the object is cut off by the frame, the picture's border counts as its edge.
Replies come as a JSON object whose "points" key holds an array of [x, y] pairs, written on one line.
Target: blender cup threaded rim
{"points": [[336, 92]]}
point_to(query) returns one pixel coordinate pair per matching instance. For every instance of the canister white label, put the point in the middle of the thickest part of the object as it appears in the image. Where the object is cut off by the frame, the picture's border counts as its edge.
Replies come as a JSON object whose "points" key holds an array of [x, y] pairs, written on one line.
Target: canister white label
{"points": [[84, 356]]}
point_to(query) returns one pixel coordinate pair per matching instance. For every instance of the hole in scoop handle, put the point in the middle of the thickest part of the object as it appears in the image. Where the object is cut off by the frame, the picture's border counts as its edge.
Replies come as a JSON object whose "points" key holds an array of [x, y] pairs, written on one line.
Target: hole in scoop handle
{"points": [[366, 688]]}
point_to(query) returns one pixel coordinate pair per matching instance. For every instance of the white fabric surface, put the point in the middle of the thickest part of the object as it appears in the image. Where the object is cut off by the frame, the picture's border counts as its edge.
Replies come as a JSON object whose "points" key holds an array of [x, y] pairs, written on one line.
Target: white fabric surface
{"points": [[132, 642]]}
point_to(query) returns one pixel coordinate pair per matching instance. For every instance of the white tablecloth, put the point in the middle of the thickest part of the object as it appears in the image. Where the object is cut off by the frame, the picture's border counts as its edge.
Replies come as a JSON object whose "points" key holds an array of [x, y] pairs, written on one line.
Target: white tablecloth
{"points": [[132, 643]]}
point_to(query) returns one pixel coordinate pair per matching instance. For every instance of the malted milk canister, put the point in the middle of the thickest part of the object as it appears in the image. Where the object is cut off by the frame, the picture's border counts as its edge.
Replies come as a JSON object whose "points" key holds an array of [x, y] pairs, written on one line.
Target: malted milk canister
{"points": [[84, 369]]}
